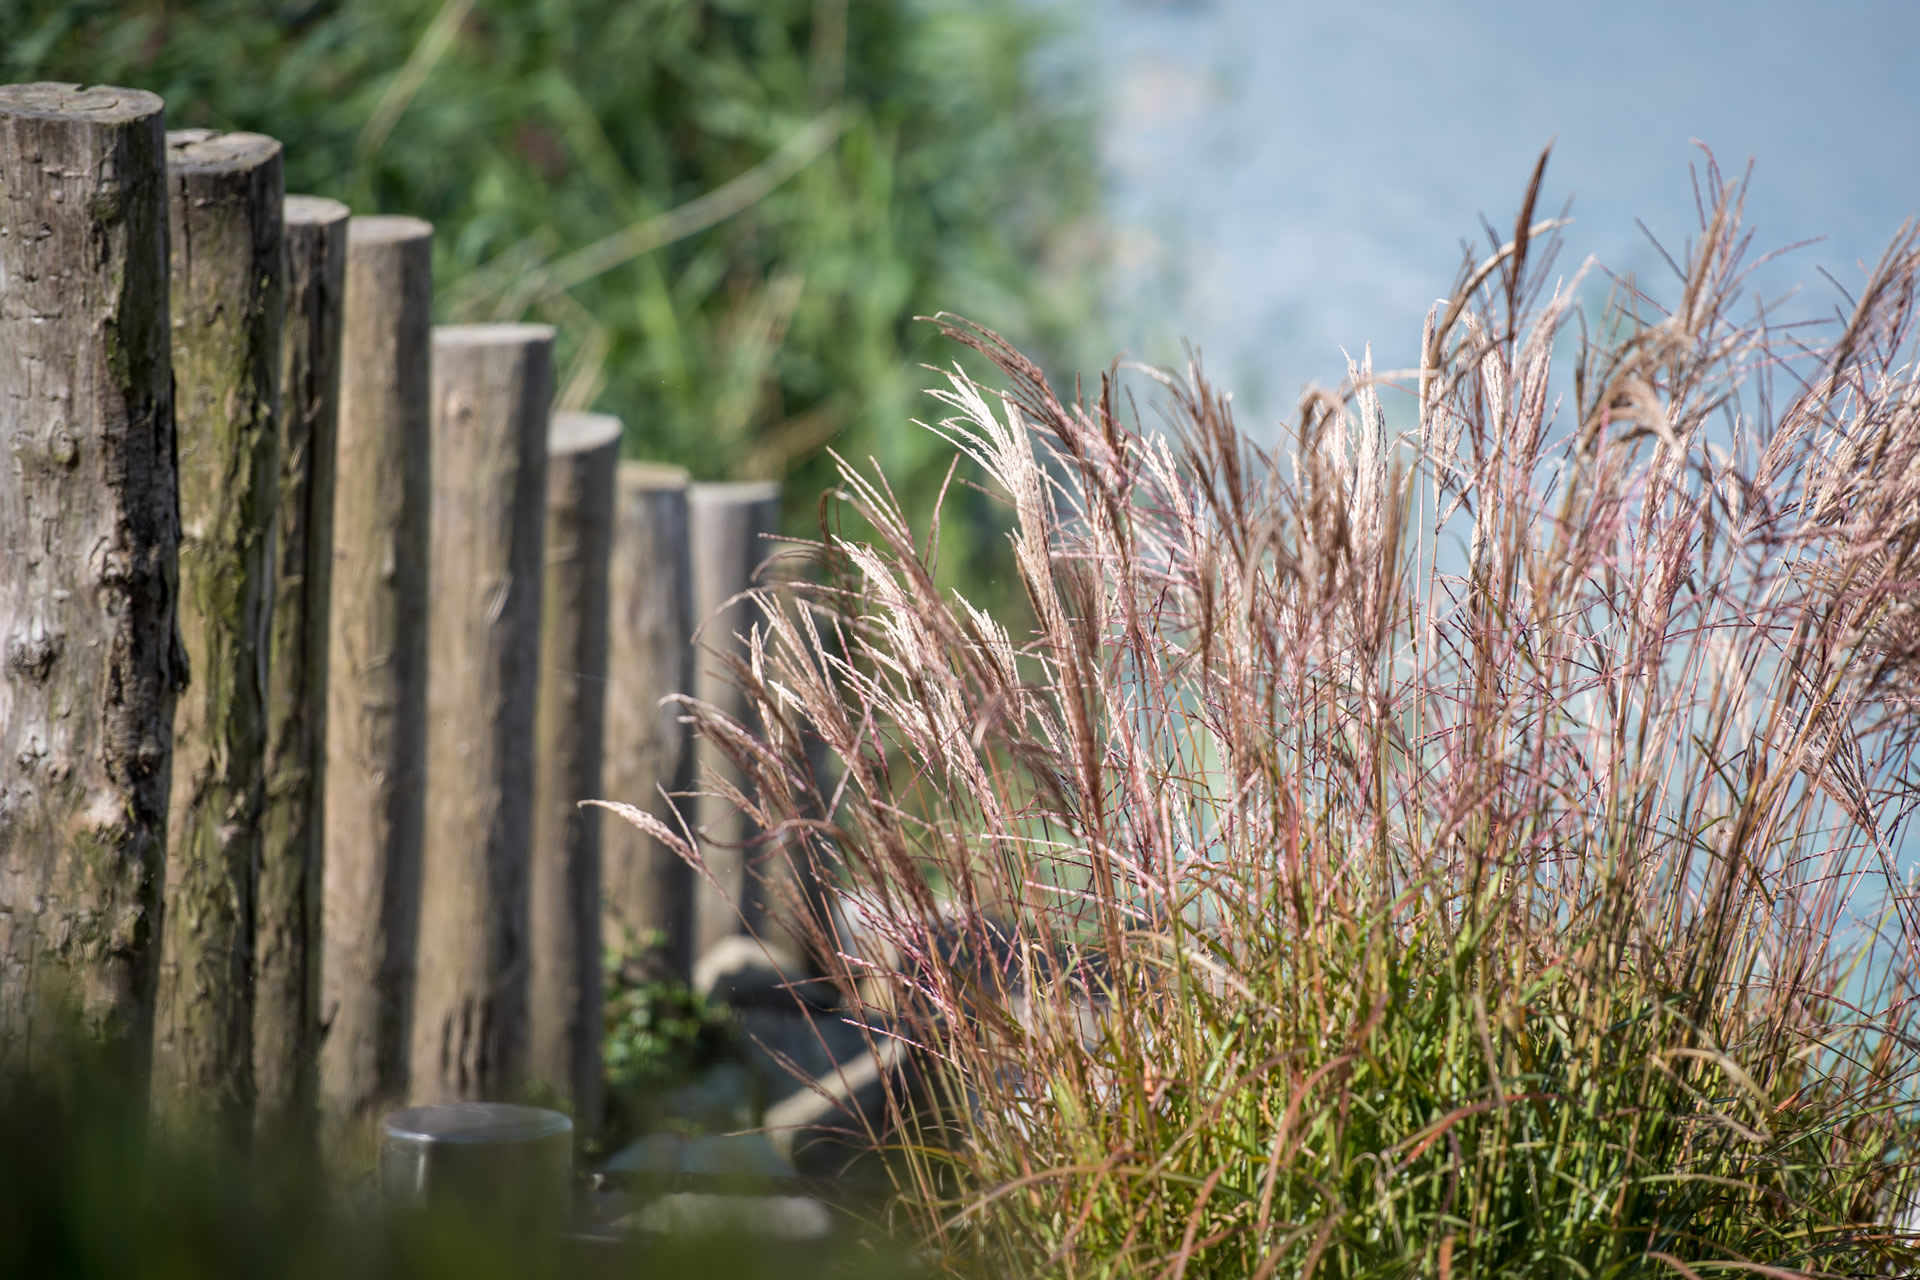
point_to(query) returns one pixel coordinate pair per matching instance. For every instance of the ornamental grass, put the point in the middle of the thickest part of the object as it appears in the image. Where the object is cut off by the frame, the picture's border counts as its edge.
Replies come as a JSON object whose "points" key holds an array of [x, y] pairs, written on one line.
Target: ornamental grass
{"points": [[1470, 851]]}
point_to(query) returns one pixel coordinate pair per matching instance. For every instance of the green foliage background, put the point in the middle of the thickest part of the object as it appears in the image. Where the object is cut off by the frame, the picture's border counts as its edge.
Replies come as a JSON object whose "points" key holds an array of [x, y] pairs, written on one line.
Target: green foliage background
{"points": [[525, 130]]}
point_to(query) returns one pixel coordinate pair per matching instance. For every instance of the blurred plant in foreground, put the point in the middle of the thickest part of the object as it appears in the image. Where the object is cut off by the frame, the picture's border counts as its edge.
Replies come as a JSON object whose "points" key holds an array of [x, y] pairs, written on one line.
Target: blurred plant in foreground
{"points": [[88, 1191], [1468, 854]]}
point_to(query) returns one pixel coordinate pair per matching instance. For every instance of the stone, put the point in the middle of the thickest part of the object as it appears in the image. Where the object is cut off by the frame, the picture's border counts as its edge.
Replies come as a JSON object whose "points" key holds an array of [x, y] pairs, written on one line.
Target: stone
{"points": [[722, 1100], [674, 1155], [696, 1213]]}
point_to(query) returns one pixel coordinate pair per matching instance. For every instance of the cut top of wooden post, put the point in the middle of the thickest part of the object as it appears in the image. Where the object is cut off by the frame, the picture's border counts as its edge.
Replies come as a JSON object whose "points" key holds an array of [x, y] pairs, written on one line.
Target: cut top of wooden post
{"points": [[572, 433], [734, 493], [649, 477], [490, 335], [384, 228], [206, 151], [99, 103], [315, 211]]}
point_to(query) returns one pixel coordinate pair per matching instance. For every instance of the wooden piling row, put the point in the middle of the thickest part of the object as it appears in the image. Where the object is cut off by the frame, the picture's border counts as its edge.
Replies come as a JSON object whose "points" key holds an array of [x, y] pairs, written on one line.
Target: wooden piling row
{"points": [[730, 525], [225, 210], [583, 453], [492, 390], [90, 524], [318, 627], [649, 896], [377, 669], [286, 1012]]}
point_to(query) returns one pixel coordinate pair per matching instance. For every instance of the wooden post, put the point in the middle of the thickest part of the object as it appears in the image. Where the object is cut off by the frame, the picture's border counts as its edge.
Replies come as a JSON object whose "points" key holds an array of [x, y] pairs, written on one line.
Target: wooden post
{"points": [[730, 524], [225, 208], [90, 527], [649, 891], [286, 1012], [492, 388], [377, 670], [583, 453]]}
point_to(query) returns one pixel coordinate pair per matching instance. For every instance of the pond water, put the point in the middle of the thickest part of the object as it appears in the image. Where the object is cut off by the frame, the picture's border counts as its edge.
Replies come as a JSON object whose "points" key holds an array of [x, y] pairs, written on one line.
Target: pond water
{"points": [[1285, 179]]}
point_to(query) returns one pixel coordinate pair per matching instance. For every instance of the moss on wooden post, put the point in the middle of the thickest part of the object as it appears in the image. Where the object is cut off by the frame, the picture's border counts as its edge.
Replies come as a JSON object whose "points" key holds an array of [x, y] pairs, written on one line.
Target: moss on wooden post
{"points": [[377, 669], [225, 225], [492, 391], [89, 524], [564, 1018], [649, 890], [286, 1013]]}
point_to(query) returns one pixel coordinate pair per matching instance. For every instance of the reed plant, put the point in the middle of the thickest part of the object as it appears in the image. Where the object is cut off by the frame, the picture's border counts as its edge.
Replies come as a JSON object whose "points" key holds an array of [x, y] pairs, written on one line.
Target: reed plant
{"points": [[1470, 853]]}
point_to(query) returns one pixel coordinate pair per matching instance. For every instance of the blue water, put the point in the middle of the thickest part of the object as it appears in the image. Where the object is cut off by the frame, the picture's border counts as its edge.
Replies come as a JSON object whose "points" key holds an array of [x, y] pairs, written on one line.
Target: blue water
{"points": [[1287, 179]]}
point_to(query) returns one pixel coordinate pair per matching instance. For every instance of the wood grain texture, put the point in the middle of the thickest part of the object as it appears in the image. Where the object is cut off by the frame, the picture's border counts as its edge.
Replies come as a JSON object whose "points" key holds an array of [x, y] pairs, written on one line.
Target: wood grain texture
{"points": [[89, 518], [730, 525], [564, 1013], [377, 670], [225, 209], [648, 891], [492, 389], [286, 1010]]}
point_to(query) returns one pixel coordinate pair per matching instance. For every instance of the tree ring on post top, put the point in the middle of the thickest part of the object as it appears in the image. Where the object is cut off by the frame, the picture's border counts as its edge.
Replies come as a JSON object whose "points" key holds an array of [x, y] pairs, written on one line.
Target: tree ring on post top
{"points": [[724, 493], [490, 335], [387, 228], [315, 211], [206, 150], [646, 477], [102, 104], [572, 433]]}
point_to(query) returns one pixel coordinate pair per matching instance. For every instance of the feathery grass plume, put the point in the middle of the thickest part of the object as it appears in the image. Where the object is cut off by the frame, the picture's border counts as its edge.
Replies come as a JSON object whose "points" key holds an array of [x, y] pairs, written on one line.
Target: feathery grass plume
{"points": [[1463, 855]]}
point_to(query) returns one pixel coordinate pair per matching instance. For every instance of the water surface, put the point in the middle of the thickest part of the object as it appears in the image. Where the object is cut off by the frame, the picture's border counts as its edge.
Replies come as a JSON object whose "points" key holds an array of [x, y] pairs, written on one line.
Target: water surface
{"points": [[1285, 179]]}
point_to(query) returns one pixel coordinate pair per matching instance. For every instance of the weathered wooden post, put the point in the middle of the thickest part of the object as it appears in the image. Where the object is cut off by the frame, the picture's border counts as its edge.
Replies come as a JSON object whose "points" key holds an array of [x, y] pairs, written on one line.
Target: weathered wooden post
{"points": [[492, 389], [648, 890], [225, 209], [286, 1010], [89, 539], [377, 669], [730, 525], [583, 454]]}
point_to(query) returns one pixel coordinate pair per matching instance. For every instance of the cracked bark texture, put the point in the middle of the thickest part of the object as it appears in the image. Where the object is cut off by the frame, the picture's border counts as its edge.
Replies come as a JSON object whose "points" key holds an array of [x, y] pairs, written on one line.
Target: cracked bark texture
{"points": [[649, 890], [564, 1007], [89, 520], [225, 210], [492, 391], [377, 671], [286, 1013]]}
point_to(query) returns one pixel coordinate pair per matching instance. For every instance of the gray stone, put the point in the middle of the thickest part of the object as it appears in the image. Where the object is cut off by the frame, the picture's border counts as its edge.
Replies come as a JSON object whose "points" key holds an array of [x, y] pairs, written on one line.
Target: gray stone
{"points": [[675, 1155], [696, 1213], [723, 1100]]}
